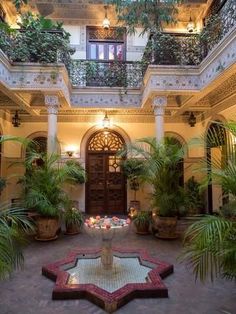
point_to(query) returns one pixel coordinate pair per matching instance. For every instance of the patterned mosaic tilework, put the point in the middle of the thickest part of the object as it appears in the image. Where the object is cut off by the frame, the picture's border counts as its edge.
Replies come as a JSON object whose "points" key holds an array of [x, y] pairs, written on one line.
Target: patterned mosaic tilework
{"points": [[65, 288], [125, 270]]}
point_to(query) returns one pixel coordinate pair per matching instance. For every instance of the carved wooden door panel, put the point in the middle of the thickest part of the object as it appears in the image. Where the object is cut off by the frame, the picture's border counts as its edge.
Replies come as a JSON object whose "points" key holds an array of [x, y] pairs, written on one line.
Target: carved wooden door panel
{"points": [[106, 185], [95, 189], [115, 189]]}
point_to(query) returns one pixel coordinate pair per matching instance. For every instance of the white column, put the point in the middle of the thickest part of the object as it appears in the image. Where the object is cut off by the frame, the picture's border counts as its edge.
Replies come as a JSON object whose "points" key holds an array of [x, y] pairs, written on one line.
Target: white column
{"points": [[159, 104], [52, 104]]}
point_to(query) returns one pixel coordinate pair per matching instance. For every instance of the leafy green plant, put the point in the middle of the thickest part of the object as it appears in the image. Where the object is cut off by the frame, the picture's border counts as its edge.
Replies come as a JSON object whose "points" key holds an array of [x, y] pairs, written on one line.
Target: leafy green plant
{"points": [[148, 14], [211, 34], [209, 244], [39, 40], [132, 168], [142, 218], [229, 210], [76, 171], [194, 200], [160, 169], [210, 248], [43, 183], [73, 216], [14, 224], [167, 49], [19, 3]]}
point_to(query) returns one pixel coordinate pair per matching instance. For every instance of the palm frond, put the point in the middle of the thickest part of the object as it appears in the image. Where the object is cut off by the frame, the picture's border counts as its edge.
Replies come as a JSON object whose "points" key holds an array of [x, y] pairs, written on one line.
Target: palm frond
{"points": [[14, 225], [205, 245]]}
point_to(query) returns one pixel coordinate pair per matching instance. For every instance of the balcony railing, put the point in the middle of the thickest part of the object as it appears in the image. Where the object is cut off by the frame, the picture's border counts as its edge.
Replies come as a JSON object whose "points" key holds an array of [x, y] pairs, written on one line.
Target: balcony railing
{"points": [[191, 49], [106, 73]]}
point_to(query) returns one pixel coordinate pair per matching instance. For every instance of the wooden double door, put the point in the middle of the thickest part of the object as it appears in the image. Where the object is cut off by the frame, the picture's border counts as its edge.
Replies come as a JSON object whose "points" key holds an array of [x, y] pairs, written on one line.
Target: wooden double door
{"points": [[106, 184]]}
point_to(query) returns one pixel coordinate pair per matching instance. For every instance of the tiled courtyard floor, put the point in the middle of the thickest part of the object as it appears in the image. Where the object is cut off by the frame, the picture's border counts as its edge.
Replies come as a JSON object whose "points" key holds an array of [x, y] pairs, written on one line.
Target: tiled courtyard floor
{"points": [[28, 292]]}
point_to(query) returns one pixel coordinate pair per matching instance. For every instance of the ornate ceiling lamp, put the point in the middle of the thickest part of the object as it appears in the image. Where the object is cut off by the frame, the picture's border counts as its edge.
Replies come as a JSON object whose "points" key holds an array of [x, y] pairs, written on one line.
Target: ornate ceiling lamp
{"points": [[106, 22]]}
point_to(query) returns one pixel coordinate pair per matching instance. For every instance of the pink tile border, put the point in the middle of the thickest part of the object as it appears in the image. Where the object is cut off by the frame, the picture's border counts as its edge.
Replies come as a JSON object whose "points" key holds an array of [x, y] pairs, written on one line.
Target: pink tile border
{"points": [[108, 301]]}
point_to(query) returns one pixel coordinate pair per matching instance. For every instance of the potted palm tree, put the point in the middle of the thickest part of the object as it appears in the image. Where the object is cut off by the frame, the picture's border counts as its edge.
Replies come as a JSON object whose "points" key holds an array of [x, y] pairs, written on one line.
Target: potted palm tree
{"points": [[160, 169], [209, 244], [43, 190]]}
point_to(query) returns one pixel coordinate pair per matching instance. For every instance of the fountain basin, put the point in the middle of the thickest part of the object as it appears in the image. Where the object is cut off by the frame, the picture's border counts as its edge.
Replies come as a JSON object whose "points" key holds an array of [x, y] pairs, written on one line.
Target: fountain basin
{"points": [[134, 275]]}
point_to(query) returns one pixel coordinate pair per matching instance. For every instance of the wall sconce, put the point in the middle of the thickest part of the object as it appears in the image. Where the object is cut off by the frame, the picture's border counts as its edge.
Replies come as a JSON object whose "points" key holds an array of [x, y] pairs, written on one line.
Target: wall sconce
{"points": [[106, 122], [190, 25], [106, 22], [71, 150], [192, 120], [16, 120], [70, 153]]}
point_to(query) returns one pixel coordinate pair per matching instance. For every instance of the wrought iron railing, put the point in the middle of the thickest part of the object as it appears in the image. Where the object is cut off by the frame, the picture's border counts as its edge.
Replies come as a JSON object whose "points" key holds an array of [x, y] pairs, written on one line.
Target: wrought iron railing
{"points": [[191, 49], [106, 73]]}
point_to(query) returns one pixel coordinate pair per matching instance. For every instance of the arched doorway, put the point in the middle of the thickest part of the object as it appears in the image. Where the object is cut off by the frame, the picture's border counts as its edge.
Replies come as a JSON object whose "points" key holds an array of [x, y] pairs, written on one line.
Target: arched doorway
{"points": [[216, 150], [106, 184]]}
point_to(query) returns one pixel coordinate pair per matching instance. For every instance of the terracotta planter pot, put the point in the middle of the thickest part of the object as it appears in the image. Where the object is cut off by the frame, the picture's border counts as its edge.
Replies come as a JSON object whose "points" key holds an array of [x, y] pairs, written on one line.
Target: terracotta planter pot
{"points": [[72, 229], [142, 228], [47, 228], [165, 226]]}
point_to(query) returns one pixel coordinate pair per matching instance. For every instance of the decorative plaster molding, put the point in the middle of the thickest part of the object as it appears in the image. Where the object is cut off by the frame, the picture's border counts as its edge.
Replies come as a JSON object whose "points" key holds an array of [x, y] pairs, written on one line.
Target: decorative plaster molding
{"points": [[119, 99]]}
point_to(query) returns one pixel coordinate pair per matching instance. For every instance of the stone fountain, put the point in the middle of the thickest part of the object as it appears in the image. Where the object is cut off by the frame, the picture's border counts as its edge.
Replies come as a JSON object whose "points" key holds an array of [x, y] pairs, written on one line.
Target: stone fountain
{"points": [[108, 276]]}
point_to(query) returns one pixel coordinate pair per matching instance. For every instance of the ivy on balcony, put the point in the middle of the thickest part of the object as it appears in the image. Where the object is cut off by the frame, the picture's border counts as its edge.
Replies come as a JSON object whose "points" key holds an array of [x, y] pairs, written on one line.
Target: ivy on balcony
{"points": [[106, 73], [191, 49], [38, 40]]}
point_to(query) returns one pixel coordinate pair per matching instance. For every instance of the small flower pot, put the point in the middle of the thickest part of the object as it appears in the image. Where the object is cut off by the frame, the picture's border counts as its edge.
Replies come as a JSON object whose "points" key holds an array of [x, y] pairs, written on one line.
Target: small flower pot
{"points": [[142, 228], [72, 229]]}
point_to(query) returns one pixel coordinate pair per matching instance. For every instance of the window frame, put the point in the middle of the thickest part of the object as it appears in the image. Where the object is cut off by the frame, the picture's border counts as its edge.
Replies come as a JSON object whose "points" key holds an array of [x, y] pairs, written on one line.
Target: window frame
{"points": [[106, 42]]}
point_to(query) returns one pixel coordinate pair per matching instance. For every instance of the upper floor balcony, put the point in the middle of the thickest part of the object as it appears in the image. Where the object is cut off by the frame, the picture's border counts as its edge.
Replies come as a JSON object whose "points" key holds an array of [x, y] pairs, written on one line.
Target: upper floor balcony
{"points": [[182, 66]]}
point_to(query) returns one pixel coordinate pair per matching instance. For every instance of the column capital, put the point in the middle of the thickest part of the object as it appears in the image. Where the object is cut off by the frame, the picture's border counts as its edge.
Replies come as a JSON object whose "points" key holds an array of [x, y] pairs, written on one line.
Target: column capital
{"points": [[52, 103], [159, 104], [159, 101]]}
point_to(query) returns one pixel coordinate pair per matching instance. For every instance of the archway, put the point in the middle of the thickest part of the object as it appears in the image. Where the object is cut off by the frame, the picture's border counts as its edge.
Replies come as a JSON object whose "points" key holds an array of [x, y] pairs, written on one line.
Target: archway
{"points": [[215, 146], [106, 184]]}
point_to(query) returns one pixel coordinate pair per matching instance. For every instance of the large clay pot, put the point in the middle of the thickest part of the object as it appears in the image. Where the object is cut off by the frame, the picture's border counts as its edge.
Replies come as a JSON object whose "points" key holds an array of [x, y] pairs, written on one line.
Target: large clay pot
{"points": [[47, 228], [72, 229], [165, 226]]}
